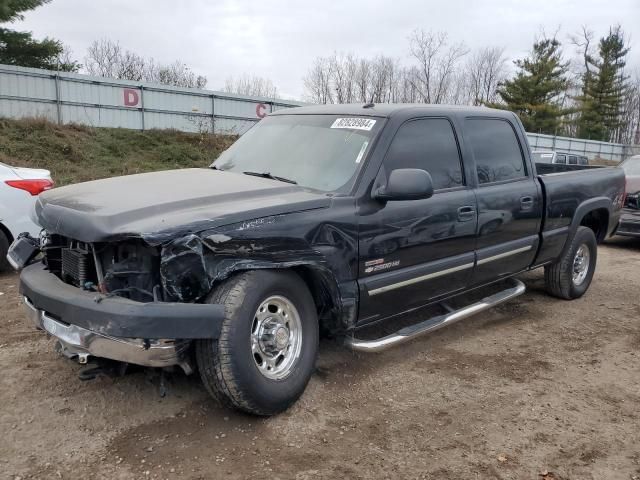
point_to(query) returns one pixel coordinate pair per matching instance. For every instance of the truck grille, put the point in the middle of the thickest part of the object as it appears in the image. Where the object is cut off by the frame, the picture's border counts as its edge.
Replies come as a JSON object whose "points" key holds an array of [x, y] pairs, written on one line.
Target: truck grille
{"points": [[76, 267]]}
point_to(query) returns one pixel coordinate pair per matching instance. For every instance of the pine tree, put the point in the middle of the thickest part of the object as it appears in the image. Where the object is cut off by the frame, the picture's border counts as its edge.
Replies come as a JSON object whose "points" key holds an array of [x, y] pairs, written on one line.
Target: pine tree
{"points": [[604, 85], [535, 93], [20, 48]]}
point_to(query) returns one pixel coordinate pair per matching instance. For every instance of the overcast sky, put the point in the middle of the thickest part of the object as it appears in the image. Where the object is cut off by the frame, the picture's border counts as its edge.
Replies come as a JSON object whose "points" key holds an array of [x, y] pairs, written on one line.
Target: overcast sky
{"points": [[279, 39]]}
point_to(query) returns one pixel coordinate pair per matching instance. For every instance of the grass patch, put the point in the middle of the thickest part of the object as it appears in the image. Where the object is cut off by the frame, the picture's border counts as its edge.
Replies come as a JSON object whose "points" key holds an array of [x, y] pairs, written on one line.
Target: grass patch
{"points": [[76, 153]]}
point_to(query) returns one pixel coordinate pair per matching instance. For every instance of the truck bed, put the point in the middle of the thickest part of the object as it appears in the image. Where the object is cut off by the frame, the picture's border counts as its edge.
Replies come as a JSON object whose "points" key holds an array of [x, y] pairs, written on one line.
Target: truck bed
{"points": [[569, 189]]}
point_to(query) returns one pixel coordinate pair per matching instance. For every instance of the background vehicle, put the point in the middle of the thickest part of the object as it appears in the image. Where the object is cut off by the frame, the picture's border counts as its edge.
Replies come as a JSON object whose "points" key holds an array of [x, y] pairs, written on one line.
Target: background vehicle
{"points": [[18, 190], [333, 217], [548, 156]]}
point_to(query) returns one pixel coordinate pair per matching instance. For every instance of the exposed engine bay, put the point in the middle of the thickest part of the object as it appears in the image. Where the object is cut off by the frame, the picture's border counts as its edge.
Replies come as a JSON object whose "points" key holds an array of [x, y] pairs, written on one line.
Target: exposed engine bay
{"points": [[127, 269]]}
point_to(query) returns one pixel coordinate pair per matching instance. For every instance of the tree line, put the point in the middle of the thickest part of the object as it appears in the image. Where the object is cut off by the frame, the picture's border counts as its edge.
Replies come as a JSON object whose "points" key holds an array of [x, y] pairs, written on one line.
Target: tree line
{"points": [[591, 96], [106, 58]]}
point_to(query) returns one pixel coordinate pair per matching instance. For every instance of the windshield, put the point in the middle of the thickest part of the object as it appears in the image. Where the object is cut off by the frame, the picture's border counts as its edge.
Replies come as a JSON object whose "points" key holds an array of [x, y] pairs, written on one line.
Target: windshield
{"points": [[631, 165], [323, 152]]}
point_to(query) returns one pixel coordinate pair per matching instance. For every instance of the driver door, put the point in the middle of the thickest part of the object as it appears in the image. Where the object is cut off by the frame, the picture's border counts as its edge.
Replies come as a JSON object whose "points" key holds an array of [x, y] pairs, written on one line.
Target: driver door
{"points": [[415, 251]]}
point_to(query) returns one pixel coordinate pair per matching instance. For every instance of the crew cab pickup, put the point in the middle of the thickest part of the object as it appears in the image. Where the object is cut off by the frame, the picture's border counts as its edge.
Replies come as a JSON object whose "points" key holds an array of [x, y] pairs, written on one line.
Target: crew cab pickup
{"points": [[323, 218]]}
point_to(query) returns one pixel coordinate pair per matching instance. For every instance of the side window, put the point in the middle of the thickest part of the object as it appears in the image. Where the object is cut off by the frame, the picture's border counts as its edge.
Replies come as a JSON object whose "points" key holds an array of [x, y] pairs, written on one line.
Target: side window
{"points": [[573, 160], [429, 144], [562, 159], [496, 150]]}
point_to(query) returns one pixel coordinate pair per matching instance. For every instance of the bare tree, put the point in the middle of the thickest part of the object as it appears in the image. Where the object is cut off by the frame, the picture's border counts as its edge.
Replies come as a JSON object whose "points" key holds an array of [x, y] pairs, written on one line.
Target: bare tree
{"points": [[318, 82], [583, 42], [344, 78], [103, 58], [484, 70], [251, 85], [630, 121], [106, 58], [437, 61], [176, 74], [66, 60]]}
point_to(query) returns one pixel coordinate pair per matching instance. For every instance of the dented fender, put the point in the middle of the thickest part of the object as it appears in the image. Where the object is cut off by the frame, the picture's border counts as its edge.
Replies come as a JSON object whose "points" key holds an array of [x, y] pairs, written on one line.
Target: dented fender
{"points": [[324, 254]]}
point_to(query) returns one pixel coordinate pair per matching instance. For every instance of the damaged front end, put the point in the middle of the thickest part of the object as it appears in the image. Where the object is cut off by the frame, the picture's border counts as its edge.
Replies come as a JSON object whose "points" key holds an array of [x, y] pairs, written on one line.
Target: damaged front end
{"points": [[106, 300]]}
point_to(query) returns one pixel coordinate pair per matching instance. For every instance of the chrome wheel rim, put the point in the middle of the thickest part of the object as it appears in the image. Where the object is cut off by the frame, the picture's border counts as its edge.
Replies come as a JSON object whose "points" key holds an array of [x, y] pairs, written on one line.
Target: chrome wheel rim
{"points": [[581, 264], [276, 337]]}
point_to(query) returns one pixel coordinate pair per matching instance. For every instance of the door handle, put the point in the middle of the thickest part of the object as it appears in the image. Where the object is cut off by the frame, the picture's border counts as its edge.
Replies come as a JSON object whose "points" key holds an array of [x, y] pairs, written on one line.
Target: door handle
{"points": [[466, 213], [526, 203]]}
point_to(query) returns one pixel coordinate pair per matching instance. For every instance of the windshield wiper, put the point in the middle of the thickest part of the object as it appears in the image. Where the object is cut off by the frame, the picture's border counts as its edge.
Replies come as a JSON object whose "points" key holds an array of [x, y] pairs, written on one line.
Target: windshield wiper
{"points": [[272, 177]]}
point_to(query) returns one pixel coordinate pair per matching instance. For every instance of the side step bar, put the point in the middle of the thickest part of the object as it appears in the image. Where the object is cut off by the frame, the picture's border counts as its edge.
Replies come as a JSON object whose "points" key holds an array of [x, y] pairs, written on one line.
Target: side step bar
{"points": [[436, 323]]}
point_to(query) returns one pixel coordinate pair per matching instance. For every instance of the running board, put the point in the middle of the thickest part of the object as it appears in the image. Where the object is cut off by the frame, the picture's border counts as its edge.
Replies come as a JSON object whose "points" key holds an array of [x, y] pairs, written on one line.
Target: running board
{"points": [[436, 323]]}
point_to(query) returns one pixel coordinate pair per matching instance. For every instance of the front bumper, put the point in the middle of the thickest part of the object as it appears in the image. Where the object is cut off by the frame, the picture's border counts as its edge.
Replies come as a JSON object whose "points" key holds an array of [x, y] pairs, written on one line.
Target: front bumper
{"points": [[629, 225], [155, 334], [80, 343]]}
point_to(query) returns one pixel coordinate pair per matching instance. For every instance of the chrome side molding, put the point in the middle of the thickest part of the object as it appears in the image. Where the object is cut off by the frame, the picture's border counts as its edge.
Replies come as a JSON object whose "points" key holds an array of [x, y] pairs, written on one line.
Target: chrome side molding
{"points": [[435, 323]]}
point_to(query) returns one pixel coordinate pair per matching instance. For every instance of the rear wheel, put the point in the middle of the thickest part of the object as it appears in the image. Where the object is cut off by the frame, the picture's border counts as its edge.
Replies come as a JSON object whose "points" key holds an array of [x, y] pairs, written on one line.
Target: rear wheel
{"points": [[5, 266], [268, 343], [571, 275]]}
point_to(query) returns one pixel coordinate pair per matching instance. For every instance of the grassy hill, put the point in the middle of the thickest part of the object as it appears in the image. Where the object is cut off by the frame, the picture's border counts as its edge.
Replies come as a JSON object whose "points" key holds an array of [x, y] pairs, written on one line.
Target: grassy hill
{"points": [[75, 153]]}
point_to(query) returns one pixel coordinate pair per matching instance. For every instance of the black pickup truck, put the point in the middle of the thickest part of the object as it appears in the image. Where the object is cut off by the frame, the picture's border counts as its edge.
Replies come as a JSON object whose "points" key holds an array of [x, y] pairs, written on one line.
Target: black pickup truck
{"points": [[319, 219]]}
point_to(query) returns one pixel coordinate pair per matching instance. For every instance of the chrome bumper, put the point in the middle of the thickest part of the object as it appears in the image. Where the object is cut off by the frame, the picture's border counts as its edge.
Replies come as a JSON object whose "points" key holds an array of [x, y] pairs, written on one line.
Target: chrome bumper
{"points": [[80, 343]]}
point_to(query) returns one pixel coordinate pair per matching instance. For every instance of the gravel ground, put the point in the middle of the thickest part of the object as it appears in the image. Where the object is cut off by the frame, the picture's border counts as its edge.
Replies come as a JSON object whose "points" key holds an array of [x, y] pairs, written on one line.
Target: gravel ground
{"points": [[538, 388]]}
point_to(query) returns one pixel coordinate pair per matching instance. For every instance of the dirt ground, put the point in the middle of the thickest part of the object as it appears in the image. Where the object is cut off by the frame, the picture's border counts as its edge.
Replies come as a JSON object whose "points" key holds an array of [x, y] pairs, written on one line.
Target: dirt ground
{"points": [[535, 389]]}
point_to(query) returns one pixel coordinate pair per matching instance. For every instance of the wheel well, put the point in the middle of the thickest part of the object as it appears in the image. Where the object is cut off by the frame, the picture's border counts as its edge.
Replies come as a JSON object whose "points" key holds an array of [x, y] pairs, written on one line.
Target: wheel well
{"points": [[323, 295], [6, 232], [598, 221]]}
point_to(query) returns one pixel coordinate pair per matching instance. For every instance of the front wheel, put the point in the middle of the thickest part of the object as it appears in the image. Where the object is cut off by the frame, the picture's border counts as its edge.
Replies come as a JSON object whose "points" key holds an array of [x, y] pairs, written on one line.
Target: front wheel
{"points": [[570, 276], [268, 343]]}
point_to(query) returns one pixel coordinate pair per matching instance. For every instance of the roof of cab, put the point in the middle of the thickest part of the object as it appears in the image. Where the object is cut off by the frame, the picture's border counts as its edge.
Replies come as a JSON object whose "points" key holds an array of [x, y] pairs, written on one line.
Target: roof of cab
{"points": [[389, 109]]}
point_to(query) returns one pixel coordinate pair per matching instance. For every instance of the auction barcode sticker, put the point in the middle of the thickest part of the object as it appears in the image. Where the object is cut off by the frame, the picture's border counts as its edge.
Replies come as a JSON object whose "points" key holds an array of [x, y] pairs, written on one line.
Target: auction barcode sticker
{"points": [[354, 123]]}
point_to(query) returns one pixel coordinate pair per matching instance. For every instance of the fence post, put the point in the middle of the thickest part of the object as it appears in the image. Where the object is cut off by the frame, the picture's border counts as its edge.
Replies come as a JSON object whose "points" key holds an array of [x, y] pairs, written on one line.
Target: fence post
{"points": [[213, 113], [58, 108], [142, 104]]}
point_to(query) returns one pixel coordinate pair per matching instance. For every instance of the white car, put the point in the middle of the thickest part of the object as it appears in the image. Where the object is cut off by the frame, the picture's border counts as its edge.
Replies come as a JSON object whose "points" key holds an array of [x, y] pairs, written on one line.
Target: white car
{"points": [[19, 188]]}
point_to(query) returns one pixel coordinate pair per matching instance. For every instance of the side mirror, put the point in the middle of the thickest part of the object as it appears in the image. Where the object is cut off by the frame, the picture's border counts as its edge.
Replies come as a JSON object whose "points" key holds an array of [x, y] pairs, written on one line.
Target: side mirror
{"points": [[406, 184]]}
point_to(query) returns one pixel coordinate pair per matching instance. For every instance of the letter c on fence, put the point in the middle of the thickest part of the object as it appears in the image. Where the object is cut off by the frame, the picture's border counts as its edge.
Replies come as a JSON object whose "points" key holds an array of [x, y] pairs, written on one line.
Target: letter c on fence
{"points": [[260, 110], [131, 97]]}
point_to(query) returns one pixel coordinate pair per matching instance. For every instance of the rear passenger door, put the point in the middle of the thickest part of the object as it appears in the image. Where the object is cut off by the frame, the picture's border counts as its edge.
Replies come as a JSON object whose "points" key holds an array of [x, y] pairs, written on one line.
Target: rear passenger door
{"points": [[414, 251], [508, 196]]}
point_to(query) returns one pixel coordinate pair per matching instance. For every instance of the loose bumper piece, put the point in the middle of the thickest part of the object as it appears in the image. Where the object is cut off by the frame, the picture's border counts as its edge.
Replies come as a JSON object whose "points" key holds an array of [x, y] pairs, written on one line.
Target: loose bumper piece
{"points": [[80, 343]]}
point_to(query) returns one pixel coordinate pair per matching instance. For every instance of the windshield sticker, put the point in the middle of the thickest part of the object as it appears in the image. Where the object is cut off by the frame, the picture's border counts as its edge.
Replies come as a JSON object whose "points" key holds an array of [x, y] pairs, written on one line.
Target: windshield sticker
{"points": [[354, 123], [361, 152]]}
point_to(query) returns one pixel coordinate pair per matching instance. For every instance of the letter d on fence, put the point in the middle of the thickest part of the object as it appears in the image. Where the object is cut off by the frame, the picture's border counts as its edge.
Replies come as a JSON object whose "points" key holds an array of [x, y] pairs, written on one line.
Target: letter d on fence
{"points": [[131, 97]]}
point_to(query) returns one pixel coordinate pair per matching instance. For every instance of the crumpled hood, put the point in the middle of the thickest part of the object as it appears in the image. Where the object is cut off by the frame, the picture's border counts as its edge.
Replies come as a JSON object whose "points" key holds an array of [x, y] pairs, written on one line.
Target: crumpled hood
{"points": [[163, 205]]}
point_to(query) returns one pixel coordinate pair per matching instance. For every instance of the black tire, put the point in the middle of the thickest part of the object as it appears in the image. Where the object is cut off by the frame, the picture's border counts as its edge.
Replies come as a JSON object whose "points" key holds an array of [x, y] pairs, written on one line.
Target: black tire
{"points": [[5, 266], [558, 276], [227, 365]]}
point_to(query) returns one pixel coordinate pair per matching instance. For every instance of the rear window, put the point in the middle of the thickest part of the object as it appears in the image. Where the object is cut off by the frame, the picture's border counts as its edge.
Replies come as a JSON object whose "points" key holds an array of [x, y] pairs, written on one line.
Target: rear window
{"points": [[542, 157], [496, 150]]}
